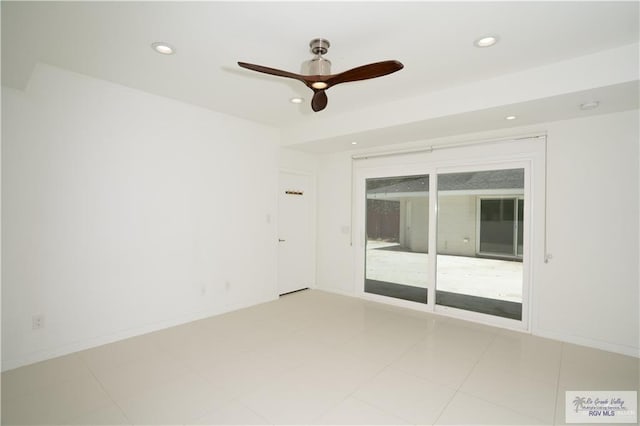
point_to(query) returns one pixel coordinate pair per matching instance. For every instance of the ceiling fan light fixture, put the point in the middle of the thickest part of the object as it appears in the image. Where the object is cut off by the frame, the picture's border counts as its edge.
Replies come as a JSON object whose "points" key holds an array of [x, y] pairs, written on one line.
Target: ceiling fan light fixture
{"points": [[163, 48], [486, 41], [319, 85]]}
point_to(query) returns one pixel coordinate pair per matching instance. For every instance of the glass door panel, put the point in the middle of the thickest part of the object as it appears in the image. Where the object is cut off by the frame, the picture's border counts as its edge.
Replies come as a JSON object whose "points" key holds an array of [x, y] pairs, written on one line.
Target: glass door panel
{"points": [[397, 221], [479, 242], [497, 226]]}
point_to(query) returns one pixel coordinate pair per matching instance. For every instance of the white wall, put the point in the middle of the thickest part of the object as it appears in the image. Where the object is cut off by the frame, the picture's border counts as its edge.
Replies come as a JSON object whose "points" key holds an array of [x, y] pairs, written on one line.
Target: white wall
{"points": [[335, 255], [588, 292], [125, 212], [294, 160]]}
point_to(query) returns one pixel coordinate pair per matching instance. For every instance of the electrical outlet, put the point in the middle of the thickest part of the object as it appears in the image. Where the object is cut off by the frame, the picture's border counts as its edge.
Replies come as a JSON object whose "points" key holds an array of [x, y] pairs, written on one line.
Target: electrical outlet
{"points": [[37, 322]]}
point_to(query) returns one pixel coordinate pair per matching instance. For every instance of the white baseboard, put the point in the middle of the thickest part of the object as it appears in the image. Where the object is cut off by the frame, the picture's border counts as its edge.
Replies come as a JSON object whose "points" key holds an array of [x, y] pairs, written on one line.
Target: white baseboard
{"points": [[336, 291], [66, 349], [592, 343]]}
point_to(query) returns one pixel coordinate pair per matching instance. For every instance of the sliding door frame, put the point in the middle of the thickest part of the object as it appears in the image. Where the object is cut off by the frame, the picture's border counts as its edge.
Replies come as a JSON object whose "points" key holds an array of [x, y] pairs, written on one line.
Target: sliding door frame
{"points": [[456, 160]]}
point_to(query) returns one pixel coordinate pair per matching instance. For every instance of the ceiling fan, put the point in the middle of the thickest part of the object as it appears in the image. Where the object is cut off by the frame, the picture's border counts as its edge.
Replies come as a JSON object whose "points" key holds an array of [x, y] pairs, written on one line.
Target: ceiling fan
{"points": [[317, 72]]}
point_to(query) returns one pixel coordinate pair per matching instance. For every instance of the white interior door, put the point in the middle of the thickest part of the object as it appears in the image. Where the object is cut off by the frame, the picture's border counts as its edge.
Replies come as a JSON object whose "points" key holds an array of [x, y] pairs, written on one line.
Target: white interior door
{"points": [[296, 256]]}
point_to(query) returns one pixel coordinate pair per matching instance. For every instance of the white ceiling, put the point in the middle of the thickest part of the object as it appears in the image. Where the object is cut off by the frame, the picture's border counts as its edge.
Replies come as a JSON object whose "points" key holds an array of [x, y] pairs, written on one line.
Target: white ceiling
{"points": [[434, 40]]}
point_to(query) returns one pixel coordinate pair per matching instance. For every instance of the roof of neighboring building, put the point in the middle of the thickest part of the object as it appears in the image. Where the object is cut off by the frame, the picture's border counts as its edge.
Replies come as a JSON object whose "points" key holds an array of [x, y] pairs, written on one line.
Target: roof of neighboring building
{"points": [[493, 179]]}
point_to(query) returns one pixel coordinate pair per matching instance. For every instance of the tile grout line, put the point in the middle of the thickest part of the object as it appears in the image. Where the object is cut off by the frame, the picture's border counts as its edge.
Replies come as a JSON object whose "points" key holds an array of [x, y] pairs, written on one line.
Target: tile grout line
{"points": [[555, 406], [376, 374], [495, 336], [382, 369], [506, 407], [104, 389]]}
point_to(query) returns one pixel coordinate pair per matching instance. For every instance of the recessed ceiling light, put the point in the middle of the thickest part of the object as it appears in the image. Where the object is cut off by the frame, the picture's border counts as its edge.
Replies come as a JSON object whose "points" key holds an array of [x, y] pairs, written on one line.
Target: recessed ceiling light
{"points": [[296, 100], [164, 48], [510, 117], [354, 143], [486, 41], [589, 105]]}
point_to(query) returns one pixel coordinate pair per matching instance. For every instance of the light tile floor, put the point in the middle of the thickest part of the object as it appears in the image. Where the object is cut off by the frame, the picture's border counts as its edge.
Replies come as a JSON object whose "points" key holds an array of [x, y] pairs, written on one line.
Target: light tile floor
{"points": [[315, 358]]}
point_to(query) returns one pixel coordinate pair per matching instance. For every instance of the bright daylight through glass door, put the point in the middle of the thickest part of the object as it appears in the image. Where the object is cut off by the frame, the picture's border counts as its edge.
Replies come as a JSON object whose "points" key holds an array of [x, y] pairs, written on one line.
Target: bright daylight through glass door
{"points": [[480, 241], [397, 224]]}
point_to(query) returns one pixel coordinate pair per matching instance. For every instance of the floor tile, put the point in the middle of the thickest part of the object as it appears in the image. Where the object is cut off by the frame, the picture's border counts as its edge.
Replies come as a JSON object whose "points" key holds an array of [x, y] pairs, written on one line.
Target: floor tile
{"points": [[56, 403], [107, 415], [437, 364], [468, 410], [181, 401], [113, 355], [243, 373], [43, 374], [291, 402], [233, 413], [592, 369], [306, 392], [525, 355], [126, 380], [294, 348], [377, 347], [460, 337], [513, 389], [411, 398], [352, 411]]}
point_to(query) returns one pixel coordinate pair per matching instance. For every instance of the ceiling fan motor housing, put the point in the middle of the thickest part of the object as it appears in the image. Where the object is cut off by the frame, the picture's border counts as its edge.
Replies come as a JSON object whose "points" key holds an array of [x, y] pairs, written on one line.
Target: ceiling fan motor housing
{"points": [[318, 65]]}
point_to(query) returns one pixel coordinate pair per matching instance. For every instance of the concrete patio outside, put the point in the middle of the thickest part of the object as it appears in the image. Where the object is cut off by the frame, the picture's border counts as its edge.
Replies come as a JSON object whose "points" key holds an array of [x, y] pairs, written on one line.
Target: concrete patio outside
{"points": [[489, 278]]}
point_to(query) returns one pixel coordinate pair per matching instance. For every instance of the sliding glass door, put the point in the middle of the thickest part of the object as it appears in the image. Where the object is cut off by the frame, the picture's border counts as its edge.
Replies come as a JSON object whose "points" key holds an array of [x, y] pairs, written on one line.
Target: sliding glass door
{"points": [[479, 241], [472, 222], [397, 219]]}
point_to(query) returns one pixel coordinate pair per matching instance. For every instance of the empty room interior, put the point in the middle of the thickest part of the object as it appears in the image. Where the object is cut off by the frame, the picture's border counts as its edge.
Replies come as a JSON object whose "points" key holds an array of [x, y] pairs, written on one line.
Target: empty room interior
{"points": [[320, 212]]}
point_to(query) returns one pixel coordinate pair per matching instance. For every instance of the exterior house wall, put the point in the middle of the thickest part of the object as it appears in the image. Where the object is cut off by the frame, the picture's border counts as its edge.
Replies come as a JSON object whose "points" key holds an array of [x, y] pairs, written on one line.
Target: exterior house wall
{"points": [[419, 224], [457, 225]]}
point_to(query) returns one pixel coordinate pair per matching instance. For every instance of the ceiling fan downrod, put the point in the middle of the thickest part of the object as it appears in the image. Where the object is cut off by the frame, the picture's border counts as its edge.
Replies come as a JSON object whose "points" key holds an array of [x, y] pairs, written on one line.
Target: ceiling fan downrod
{"points": [[319, 46]]}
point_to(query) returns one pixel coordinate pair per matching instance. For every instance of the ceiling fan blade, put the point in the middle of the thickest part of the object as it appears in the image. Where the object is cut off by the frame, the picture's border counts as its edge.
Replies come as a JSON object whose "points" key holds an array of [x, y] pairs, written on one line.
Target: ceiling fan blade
{"points": [[272, 71], [364, 72], [319, 100]]}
